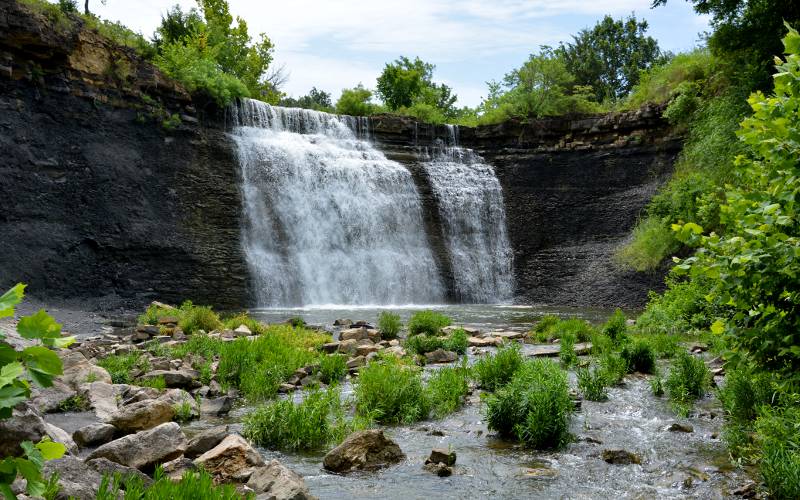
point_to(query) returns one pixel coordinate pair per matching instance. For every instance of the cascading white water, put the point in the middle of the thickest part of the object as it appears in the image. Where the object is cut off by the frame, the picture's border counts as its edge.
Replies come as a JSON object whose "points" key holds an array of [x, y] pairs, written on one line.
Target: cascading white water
{"points": [[329, 219], [474, 221]]}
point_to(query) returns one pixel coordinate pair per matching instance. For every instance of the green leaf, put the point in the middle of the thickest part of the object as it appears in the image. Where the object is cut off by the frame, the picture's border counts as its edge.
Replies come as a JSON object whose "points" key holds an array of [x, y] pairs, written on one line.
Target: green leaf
{"points": [[12, 395], [42, 359], [32, 472], [718, 327], [60, 342], [10, 372], [51, 450], [7, 354], [5, 489], [11, 298], [39, 326]]}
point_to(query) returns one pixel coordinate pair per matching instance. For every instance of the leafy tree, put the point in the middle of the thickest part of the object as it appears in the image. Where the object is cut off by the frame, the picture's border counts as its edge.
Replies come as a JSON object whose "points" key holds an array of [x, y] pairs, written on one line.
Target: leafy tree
{"points": [[315, 99], [407, 84], [37, 364], [356, 102], [610, 56], [178, 26]]}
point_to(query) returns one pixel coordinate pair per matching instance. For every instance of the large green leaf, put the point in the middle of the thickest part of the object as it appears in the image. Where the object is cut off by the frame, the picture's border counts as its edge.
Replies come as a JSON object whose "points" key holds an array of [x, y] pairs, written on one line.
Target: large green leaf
{"points": [[39, 326], [7, 354], [11, 298], [42, 359], [32, 471], [12, 395], [10, 372], [51, 450]]}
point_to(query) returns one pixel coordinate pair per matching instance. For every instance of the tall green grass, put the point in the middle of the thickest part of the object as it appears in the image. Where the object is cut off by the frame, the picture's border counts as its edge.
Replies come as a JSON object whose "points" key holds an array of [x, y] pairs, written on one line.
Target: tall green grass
{"points": [[389, 325], [687, 381], [193, 485], [446, 389], [496, 370], [121, 366], [390, 392], [427, 322], [458, 341]]}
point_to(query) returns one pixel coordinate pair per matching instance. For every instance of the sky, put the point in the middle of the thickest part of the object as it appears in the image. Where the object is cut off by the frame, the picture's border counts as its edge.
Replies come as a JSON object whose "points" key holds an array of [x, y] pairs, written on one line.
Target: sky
{"points": [[336, 44]]}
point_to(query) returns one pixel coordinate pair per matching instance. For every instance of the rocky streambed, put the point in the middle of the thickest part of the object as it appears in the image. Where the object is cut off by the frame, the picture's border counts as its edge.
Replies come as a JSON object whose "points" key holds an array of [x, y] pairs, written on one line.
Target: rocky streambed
{"points": [[631, 446]]}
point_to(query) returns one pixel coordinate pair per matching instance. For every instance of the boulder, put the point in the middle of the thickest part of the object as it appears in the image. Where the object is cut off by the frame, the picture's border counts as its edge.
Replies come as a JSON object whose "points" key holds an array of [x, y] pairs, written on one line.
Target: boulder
{"points": [[233, 459], [205, 440], [330, 347], [106, 467], [178, 398], [354, 334], [440, 356], [185, 378], [59, 435], [24, 425], [441, 456], [217, 406], [77, 370], [363, 450], [102, 398], [678, 427], [348, 346], [483, 342], [145, 449], [363, 350], [50, 399], [75, 478], [621, 457], [242, 331], [356, 362], [142, 415], [507, 335], [439, 469], [278, 483], [94, 434], [395, 350], [343, 322], [175, 469]]}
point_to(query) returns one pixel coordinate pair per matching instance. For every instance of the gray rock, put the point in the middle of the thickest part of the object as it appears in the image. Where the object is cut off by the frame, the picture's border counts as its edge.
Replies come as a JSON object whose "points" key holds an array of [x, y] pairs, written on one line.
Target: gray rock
{"points": [[94, 434], [441, 456], [106, 467], [145, 449], [185, 379], [77, 370], [354, 334], [678, 427], [217, 407], [75, 478], [278, 483], [175, 469], [233, 459], [440, 469], [206, 440], [363, 450], [27, 424], [440, 356], [49, 399], [102, 397], [356, 362], [142, 415]]}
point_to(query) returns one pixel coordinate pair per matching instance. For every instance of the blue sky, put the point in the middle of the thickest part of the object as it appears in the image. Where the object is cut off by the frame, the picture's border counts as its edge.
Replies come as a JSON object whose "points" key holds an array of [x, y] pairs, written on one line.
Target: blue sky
{"points": [[335, 44]]}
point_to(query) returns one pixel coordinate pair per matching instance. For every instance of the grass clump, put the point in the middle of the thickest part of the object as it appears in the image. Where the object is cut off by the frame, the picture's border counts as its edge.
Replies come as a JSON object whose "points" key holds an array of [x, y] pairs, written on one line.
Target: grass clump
{"points": [[234, 322], [155, 312], [77, 402], [446, 389], [391, 392], [389, 325], [427, 322], [192, 485], [552, 327], [122, 366], [155, 383], [616, 327], [779, 442], [688, 380], [196, 318], [567, 351], [457, 342], [314, 423], [612, 368], [496, 370], [639, 357], [534, 407], [652, 242], [592, 384], [332, 368]]}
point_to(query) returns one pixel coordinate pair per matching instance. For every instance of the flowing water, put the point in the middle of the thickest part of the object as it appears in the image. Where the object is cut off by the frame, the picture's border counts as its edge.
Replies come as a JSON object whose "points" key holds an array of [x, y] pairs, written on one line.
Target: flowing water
{"points": [[329, 219], [473, 216]]}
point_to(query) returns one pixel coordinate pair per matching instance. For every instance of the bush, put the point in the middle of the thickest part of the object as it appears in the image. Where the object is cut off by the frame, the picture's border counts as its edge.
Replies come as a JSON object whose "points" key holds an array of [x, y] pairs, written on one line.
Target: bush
{"points": [[120, 366], [592, 384], [616, 326], [612, 368], [744, 391], [687, 381], [192, 485], [682, 308], [390, 392], [255, 326], [446, 390], [389, 325], [552, 327], [332, 368], [427, 322], [534, 407], [196, 318], [312, 424], [567, 351], [639, 357], [542, 331], [457, 342], [652, 242], [155, 312], [496, 370], [779, 439]]}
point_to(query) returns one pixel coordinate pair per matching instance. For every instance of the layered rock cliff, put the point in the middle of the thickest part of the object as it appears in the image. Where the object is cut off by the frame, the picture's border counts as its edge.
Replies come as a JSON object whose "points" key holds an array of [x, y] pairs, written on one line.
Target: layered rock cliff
{"points": [[107, 195]]}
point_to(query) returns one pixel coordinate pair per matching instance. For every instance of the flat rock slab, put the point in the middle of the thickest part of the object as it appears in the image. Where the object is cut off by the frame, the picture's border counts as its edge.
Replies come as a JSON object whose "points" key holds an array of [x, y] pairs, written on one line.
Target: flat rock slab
{"points": [[551, 350], [483, 342], [507, 334]]}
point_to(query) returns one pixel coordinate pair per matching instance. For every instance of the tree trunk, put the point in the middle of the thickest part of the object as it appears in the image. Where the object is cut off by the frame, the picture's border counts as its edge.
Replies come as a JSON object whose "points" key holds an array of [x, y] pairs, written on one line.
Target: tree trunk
{"points": [[86, 7]]}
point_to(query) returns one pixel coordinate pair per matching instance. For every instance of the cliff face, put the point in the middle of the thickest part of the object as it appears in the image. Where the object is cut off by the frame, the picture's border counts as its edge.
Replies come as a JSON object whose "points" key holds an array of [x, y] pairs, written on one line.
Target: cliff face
{"points": [[101, 199]]}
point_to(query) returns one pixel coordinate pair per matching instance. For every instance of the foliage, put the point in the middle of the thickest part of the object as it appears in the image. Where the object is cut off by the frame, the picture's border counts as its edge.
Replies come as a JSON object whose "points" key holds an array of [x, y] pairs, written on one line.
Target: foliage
{"points": [[651, 242], [616, 326], [680, 309], [567, 351], [312, 424], [446, 389], [121, 366], [407, 85], [389, 325], [610, 56], [421, 344], [592, 384], [552, 327], [237, 320], [496, 370], [332, 368], [534, 407], [155, 312], [744, 392], [121, 35], [427, 322], [612, 368], [78, 402], [18, 369], [155, 382], [639, 357], [356, 102], [196, 318], [657, 385], [191, 485], [688, 380], [391, 392], [662, 82], [779, 440], [318, 100]]}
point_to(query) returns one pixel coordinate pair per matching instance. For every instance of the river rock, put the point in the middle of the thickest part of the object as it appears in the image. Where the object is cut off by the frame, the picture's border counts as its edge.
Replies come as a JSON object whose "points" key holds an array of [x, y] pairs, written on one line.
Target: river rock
{"points": [[507, 334], [175, 469], [94, 434], [185, 378], [343, 322], [363, 450], [330, 347], [145, 449], [179, 398], [348, 346], [678, 427], [75, 478], [106, 467], [50, 399], [242, 331], [441, 456], [59, 435], [206, 440], [483, 342], [217, 407], [356, 362], [469, 330], [395, 350], [440, 469], [233, 459], [279, 483], [354, 334], [26, 424], [440, 356], [142, 415], [102, 398], [364, 350], [621, 457], [77, 370]]}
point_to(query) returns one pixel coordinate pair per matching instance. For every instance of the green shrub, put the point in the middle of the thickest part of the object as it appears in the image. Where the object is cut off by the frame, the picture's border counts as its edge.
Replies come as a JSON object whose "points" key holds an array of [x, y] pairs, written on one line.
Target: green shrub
{"points": [[552, 327], [639, 357], [542, 331], [534, 407], [255, 326], [120, 366], [446, 389], [195, 318], [664, 345], [682, 308], [616, 326], [687, 381], [155, 382], [391, 392], [652, 242], [657, 385], [496, 370], [192, 485], [612, 368], [567, 351], [155, 312], [592, 384], [779, 439], [458, 341], [744, 391], [77, 402], [389, 325], [314, 423], [332, 367], [427, 322]]}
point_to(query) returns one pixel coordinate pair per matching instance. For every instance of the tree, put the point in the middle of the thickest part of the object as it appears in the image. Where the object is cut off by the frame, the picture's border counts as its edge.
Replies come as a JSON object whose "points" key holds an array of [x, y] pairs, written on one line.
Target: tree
{"points": [[747, 35], [356, 102], [402, 82], [315, 99], [610, 56]]}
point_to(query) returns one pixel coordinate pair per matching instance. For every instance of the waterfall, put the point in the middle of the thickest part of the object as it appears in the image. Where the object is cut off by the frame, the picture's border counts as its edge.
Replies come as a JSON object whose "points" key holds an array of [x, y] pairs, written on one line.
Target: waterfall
{"points": [[473, 217], [328, 218]]}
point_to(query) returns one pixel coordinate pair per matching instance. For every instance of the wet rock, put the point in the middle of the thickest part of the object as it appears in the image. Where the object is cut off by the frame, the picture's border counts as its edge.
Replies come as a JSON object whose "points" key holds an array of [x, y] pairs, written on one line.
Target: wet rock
{"points": [[142, 415], [364, 350], [185, 379], [354, 334], [168, 320], [217, 406], [621, 457], [363, 450], [439, 455], [452, 328], [330, 347], [75, 478], [678, 427], [206, 440], [507, 335], [286, 388], [279, 483], [178, 398], [145, 449], [94, 434], [440, 356], [343, 322], [59, 435], [440, 469], [395, 350], [483, 342], [106, 467], [436, 432], [747, 490], [233, 459], [175, 469]]}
